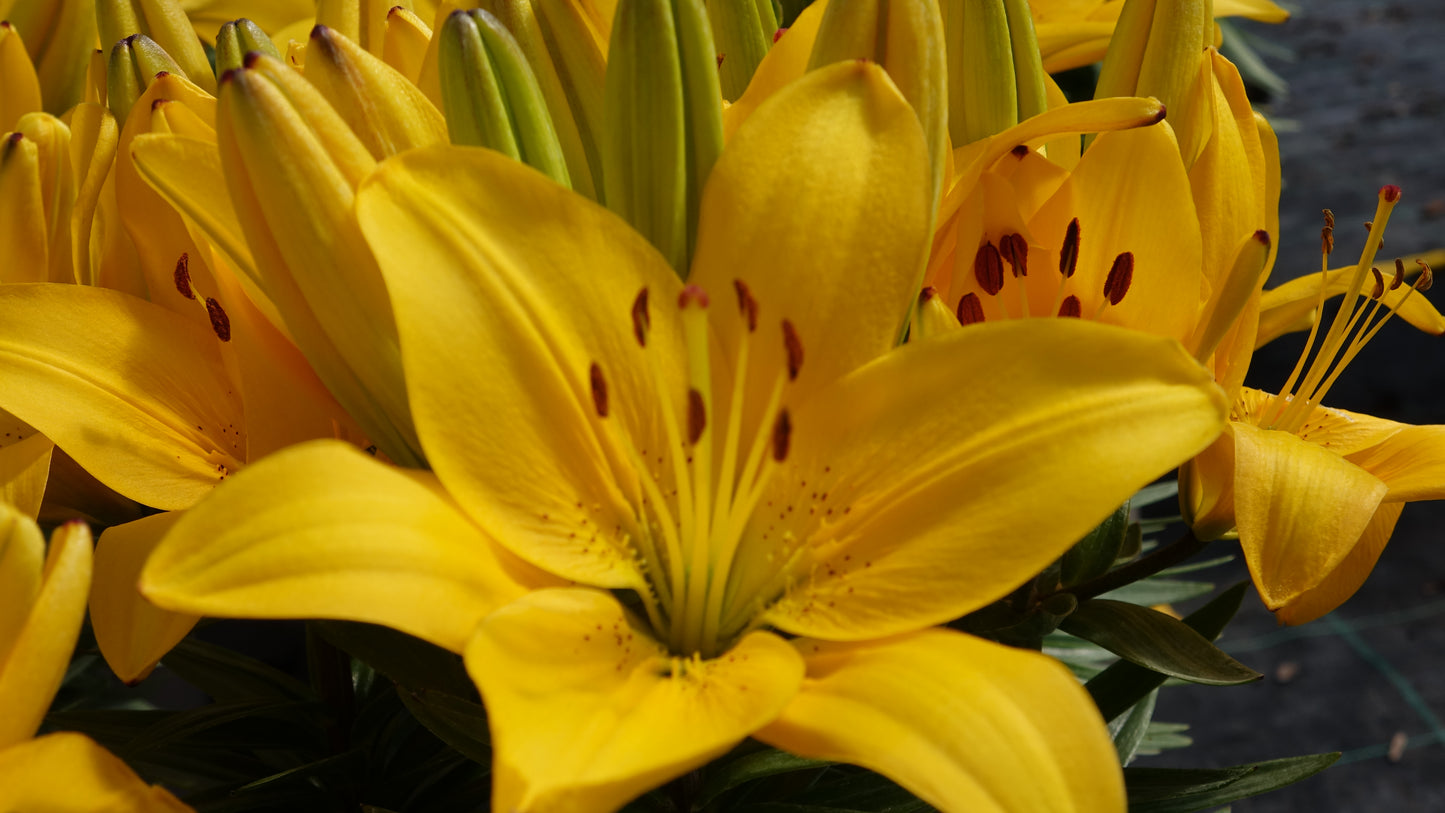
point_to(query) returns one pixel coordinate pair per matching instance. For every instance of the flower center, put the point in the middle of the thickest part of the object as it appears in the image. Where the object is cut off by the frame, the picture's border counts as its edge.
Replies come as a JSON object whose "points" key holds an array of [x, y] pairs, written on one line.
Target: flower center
{"points": [[1360, 316], [696, 495]]}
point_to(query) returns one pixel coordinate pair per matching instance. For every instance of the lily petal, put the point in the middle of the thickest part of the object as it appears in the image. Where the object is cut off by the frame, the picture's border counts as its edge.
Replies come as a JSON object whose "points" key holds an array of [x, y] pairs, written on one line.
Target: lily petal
{"points": [[1411, 462], [1291, 306], [587, 711], [961, 719], [132, 633], [22, 557], [134, 392], [830, 233], [36, 662], [1130, 194], [785, 61], [322, 530], [955, 447], [1344, 580], [1300, 509], [24, 466], [497, 270], [70, 773]]}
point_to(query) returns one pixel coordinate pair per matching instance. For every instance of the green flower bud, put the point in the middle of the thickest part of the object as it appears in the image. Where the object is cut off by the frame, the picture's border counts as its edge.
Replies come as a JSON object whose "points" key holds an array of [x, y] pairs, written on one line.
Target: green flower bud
{"points": [[164, 22], [744, 31], [238, 38], [492, 98], [1157, 50], [995, 73], [664, 120], [134, 63]]}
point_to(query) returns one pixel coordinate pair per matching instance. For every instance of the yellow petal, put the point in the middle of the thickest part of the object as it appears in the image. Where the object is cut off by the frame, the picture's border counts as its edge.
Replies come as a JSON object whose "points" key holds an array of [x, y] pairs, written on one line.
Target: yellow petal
{"points": [[1130, 194], [1411, 461], [785, 61], [70, 773], [956, 720], [1345, 579], [22, 556], [835, 242], [134, 392], [1300, 509], [132, 633], [1290, 306], [322, 530], [24, 465], [19, 86], [950, 451], [587, 711], [94, 138], [508, 289], [40, 653]]}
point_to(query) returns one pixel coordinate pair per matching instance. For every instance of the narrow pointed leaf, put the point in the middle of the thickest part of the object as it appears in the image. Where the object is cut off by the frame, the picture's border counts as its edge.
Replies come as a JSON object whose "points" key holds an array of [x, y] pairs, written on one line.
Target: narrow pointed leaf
{"points": [[1157, 641]]}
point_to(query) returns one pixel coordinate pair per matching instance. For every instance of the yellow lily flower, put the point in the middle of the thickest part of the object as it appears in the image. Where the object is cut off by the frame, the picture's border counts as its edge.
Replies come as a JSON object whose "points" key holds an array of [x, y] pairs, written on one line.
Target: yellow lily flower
{"points": [[742, 453], [42, 603], [1314, 492]]}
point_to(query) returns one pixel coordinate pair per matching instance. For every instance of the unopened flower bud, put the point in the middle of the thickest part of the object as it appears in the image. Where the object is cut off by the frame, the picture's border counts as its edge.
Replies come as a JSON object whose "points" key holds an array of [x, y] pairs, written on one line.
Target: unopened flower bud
{"points": [[238, 38], [134, 63], [166, 24]]}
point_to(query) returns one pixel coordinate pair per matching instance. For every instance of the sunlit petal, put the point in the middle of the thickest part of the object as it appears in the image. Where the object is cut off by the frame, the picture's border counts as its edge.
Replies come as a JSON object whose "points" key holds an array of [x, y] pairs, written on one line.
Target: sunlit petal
{"points": [[965, 724], [587, 711], [70, 773], [132, 633], [1344, 580]]}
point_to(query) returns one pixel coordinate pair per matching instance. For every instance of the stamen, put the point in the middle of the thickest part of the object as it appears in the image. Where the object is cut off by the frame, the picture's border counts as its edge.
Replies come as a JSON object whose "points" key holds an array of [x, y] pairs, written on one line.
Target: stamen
{"points": [[1071, 307], [1427, 277], [782, 434], [794, 347], [692, 295], [641, 320], [183, 276], [1069, 254], [220, 322], [696, 416], [1399, 274], [1015, 249], [747, 306], [988, 269], [599, 389], [1379, 289], [1327, 234], [1121, 275], [970, 309]]}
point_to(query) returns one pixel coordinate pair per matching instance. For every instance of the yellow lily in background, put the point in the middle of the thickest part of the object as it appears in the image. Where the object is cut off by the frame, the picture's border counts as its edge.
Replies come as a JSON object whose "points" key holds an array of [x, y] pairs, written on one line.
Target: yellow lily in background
{"points": [[42, 604], [1315, 492], [669, 477], [1074, 33]]}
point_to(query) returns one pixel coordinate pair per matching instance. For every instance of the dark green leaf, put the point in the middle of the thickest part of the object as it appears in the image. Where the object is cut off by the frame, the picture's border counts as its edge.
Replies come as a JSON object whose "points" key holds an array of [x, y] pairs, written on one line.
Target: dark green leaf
{"points": [[1156, 641], [1169, 790], [229, 676], [1128, 731], [1122, 685], [401, 657], [297, 727], [1190, 567], [1096, 552], [459, 723], [1148, 592], [756, 765]]}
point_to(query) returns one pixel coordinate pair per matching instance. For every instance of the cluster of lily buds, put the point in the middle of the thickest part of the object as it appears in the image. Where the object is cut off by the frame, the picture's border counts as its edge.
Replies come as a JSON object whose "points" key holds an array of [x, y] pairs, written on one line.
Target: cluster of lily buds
{"points": [[448, 292]]}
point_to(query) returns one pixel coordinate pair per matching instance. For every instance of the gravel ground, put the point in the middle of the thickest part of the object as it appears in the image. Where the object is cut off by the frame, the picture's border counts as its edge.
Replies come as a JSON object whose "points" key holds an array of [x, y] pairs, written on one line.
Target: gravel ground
{"points": [[1365, 106]]}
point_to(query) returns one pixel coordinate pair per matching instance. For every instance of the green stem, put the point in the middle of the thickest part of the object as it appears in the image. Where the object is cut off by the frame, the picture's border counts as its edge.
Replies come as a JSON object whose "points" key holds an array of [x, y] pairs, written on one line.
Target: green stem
{"points": [[1161, 559]]}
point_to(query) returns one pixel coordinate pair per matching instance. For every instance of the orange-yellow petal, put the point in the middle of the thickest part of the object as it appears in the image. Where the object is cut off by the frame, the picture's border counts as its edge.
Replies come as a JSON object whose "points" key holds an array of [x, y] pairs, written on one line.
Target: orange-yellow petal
{"points": [[1349, 575], [132, 633], [587, 711], [70, 773]]}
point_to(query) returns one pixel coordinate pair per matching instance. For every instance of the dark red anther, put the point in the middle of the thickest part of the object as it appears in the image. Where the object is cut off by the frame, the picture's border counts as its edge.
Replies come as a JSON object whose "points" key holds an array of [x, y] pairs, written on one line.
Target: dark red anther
{"points": [[970, 309], [1015, 249], [1379, 289], [747, 306], [692, 295], [1262, 237], [777, 35], [641, 320], [696, 416], [794, 347], [928, 293], [599, 389], [1163, 112], [220, 322], [1399, 274], [183, 276], [1020, 151], [988, 269], [1426, 279], [1071, 307], [782, 435], [1069, 253], [1121, 274], [1390, 192]]}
